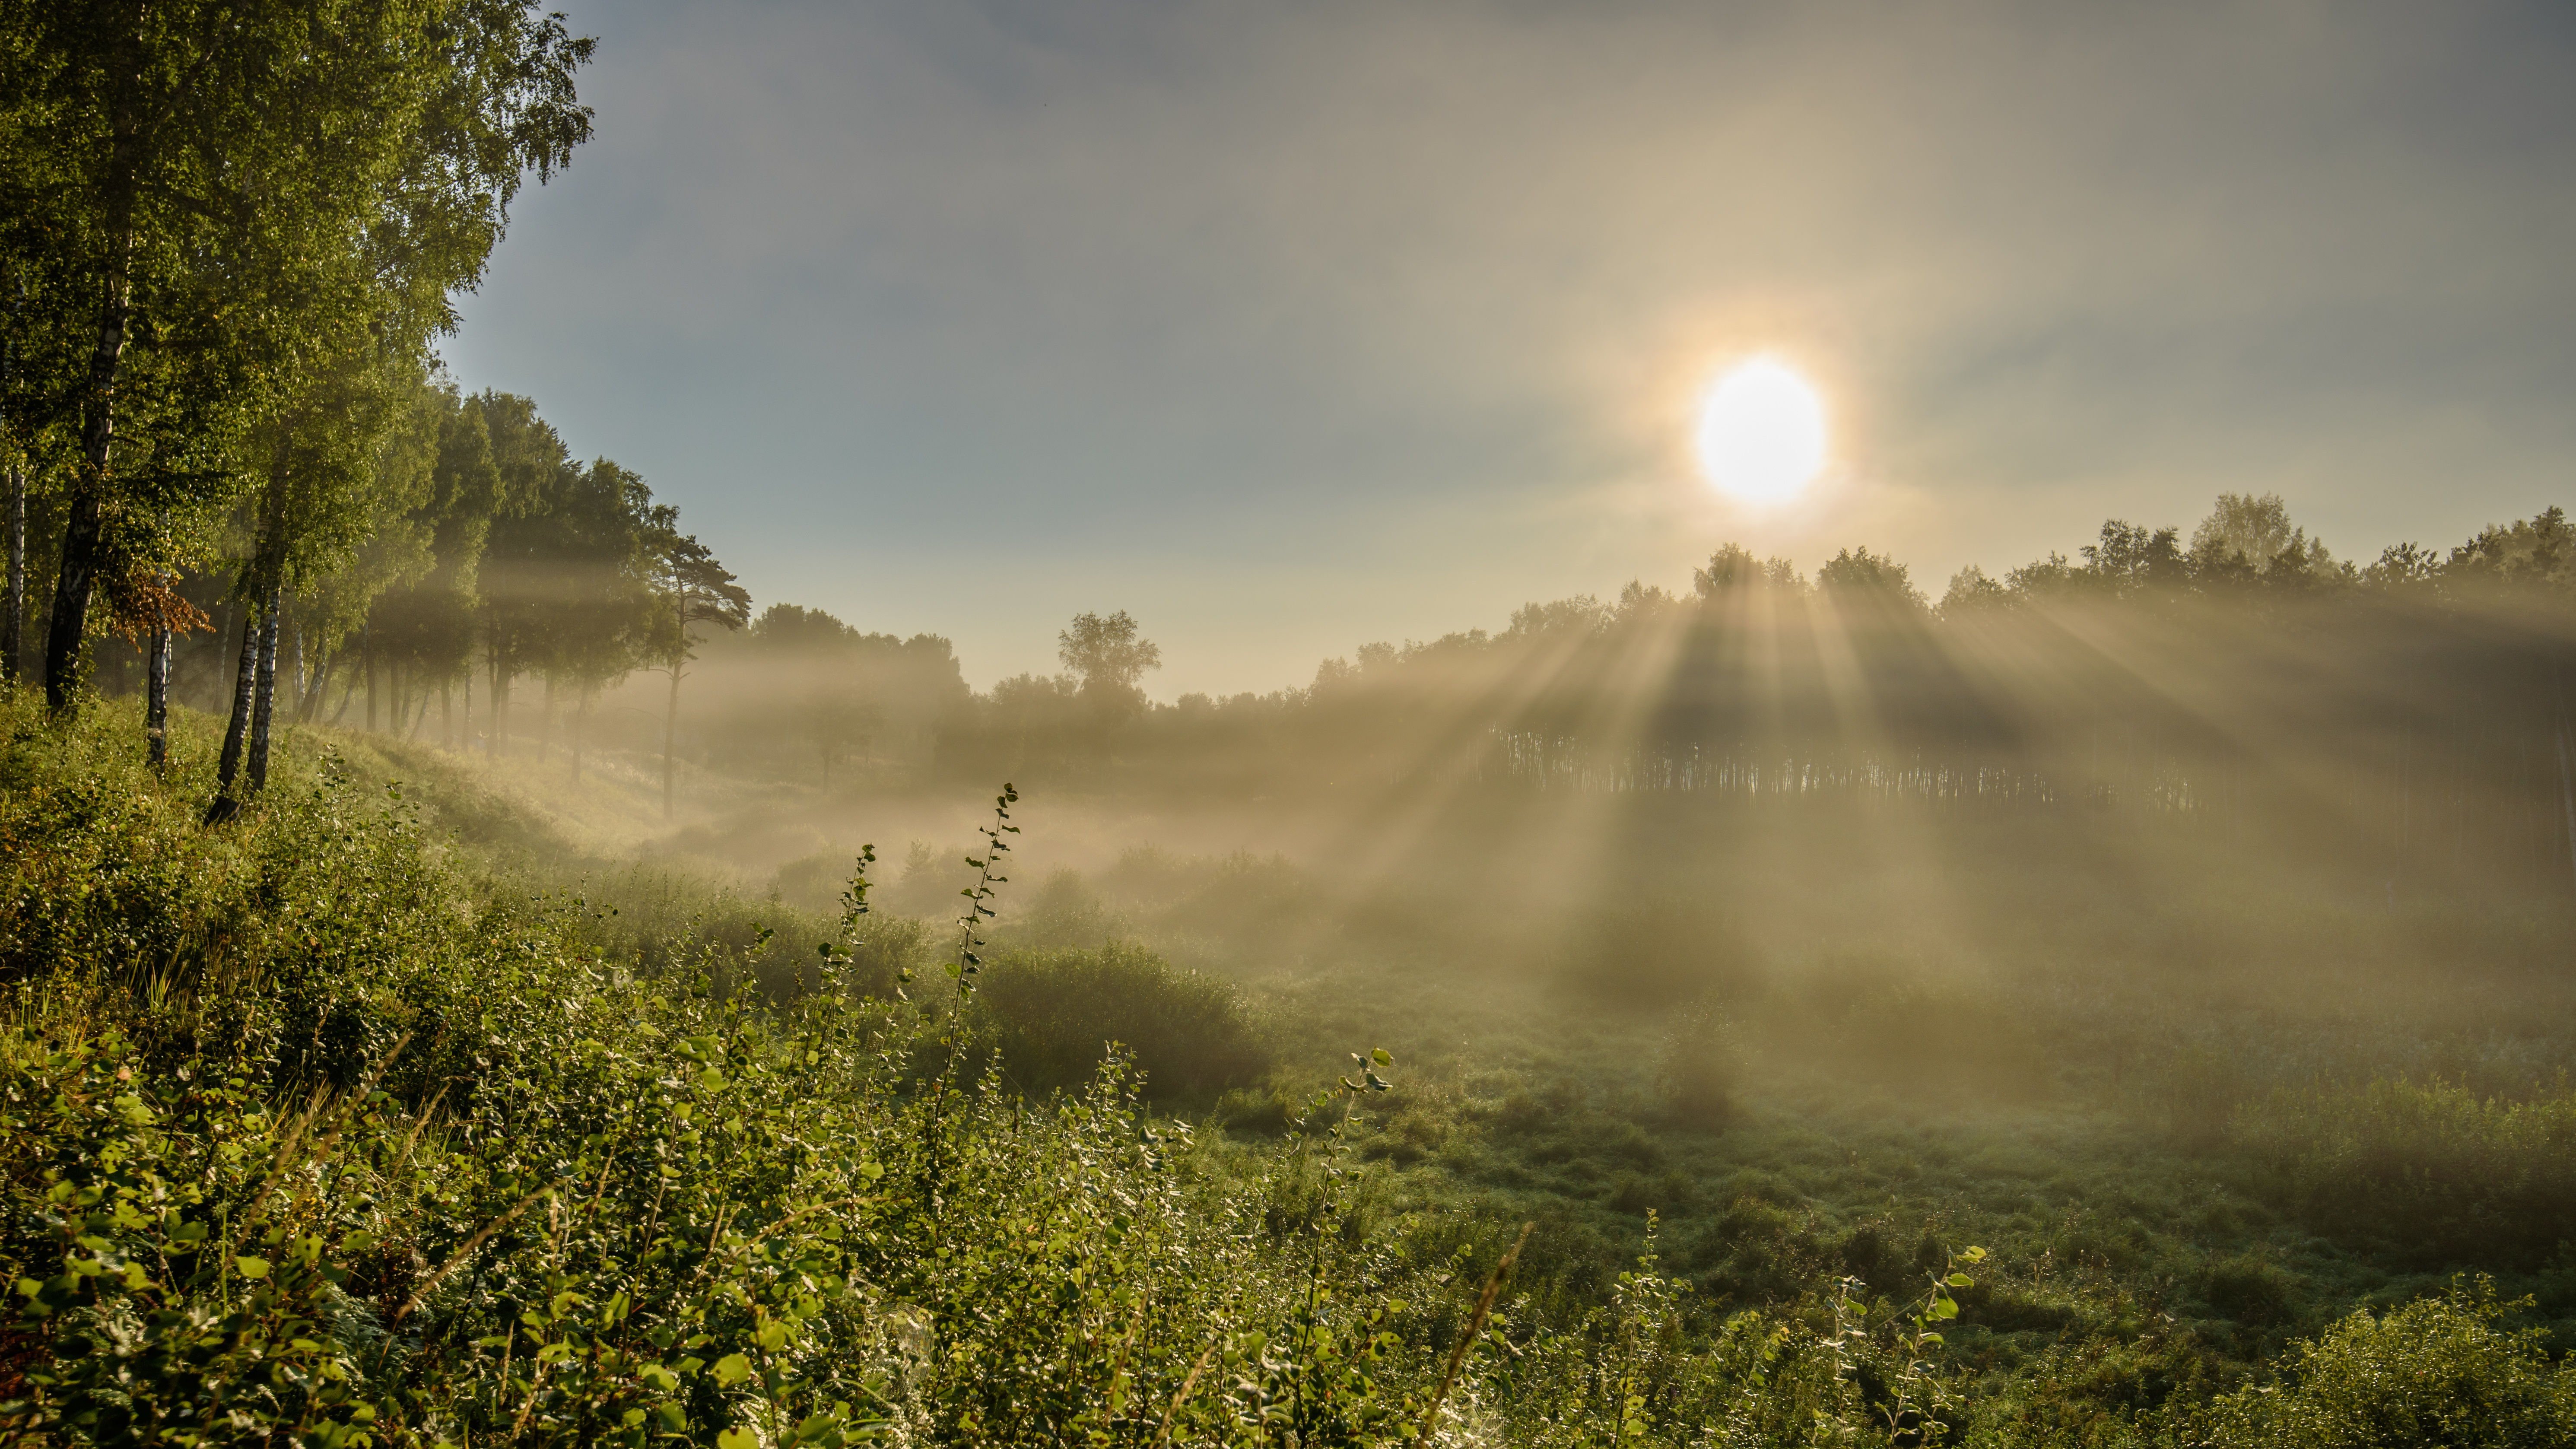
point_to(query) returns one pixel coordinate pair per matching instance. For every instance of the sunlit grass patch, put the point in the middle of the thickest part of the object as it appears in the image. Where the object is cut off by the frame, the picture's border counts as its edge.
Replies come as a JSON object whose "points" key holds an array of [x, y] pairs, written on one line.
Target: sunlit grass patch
{"points": [[2444, 1370], [2430, 1167]]}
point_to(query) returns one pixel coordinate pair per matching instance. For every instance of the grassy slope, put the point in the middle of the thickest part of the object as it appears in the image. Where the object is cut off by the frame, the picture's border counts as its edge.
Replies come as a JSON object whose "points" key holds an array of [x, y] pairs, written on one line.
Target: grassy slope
{"points": [[2115, 1207], [2133, 1264]]}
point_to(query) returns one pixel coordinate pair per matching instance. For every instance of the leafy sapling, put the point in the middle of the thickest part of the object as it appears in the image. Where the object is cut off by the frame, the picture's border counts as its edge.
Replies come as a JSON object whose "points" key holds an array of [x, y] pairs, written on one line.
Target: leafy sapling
{"points": [[963, 972], [854, 904], [1324, 1208], [1916, 1398], [979, 895]]}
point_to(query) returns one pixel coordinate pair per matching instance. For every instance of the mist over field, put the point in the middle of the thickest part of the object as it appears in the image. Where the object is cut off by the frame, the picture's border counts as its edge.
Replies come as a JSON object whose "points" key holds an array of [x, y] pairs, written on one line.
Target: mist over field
{"points": [[1290, 727], [2183, 921]]}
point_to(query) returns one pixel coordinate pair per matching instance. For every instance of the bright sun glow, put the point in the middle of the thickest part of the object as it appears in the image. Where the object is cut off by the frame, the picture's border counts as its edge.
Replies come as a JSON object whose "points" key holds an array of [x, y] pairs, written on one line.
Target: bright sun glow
{"points": [[1762, 432]]}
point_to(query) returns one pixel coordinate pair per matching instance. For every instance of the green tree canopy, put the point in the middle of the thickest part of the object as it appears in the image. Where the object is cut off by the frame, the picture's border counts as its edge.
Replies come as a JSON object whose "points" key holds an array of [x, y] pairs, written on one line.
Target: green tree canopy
{"points": [[1109, 656]]}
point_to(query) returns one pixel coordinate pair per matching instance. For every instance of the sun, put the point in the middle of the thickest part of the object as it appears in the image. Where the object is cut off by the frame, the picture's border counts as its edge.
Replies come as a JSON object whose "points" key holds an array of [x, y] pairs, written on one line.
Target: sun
{"points": [[1761, 432]]}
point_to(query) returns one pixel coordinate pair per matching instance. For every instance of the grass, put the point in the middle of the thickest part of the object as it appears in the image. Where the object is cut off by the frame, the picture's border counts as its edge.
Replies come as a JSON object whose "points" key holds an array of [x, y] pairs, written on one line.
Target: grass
{"points": [[318, 1130], [395, 1115], [2432, 1170]]}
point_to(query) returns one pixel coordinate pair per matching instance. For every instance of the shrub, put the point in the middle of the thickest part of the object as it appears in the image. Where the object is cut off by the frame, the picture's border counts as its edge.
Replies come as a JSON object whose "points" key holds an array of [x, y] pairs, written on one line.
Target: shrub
{"points": [[2431, 1167], [1054, 1012], [1251, 906], [2435, 1372], [2248, 1290], [1657, 953], [389, 1153], [1064, 912], [1696, 1077]]}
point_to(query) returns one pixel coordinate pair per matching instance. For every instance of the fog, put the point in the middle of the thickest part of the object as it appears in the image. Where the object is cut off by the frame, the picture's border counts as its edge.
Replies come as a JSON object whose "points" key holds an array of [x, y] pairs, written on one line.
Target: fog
{"points": [[2207, 876], [2042, 841]]}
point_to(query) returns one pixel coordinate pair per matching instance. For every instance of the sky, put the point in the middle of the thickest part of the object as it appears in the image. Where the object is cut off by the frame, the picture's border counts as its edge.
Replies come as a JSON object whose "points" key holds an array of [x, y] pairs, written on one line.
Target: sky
{"points": [[1289, 327]]}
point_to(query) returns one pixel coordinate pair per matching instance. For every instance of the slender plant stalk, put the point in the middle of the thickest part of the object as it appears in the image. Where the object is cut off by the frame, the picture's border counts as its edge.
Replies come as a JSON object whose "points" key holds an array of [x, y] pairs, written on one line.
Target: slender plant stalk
{"points": [[458, 1259], [1475, 1326], [964, 969], [1163, 1435]]}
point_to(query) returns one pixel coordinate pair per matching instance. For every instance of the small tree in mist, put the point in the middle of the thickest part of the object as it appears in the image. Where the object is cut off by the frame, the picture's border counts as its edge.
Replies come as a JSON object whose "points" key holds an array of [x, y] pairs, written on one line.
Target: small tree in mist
{"points": [[838, 721], [1858, 574], [2251, 536], [604, 608], [1110, 657], [1734, 570], [1974, 591], [2131, 558], [418, 636], [1696, 1077], [691, 588]]}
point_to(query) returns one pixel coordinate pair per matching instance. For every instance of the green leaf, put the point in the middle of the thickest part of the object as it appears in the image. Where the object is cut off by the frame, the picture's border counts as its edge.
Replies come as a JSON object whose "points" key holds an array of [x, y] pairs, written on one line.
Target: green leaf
{"points": [[251, 1267], [737, 1439], [1960, 1280], [732, 1369]]}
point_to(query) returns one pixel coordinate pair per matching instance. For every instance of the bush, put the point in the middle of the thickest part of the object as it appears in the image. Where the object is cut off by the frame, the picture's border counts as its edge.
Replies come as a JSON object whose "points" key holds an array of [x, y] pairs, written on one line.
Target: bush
{"points": [[2432, 1168], [1253, 907], [1064, 912], [1054, 1012], [1659, 953], [309, 1134], [2436, 1372], [1697, 1074], [2248, 1290]]}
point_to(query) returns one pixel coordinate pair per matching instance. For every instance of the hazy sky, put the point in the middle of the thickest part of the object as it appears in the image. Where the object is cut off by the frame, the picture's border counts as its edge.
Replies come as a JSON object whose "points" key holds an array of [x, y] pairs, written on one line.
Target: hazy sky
{"points": [[1288, 326]]}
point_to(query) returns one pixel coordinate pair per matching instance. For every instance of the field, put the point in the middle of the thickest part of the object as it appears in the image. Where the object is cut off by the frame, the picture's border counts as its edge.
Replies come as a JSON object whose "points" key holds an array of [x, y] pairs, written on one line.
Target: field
{"points": [[2222, 1132]]}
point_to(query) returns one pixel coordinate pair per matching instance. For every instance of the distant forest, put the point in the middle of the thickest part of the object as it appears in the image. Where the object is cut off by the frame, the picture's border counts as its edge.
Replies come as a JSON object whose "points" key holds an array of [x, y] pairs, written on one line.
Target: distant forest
{"points": [[478, 587]]}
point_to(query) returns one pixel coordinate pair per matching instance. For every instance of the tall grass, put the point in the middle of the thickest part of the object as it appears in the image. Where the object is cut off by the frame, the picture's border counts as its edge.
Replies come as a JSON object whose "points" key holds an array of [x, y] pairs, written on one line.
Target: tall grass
{"points": [[2431, 1167]]}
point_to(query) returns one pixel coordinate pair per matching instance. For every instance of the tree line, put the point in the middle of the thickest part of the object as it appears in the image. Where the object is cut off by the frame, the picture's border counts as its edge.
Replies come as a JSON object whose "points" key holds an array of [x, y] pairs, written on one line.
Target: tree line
{"points": [[2237, 668], [230, 236], [2416, 707]]}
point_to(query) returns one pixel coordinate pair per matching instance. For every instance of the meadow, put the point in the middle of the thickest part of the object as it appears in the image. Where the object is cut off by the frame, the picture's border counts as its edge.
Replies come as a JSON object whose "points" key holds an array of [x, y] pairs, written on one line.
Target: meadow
{"points": [[469, 977], [415, 1106]]}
